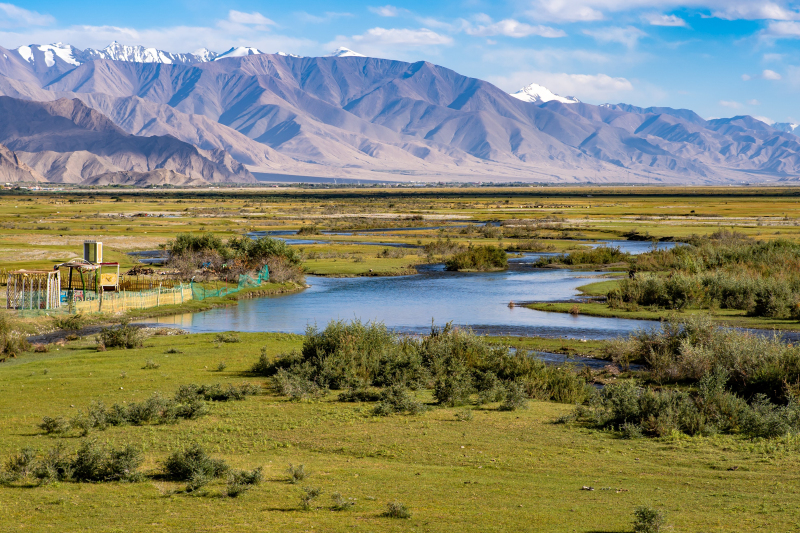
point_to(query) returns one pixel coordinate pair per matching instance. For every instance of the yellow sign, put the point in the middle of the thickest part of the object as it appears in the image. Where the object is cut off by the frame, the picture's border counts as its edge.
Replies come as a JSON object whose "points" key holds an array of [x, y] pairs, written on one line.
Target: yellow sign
{"points": [[108, 279]]}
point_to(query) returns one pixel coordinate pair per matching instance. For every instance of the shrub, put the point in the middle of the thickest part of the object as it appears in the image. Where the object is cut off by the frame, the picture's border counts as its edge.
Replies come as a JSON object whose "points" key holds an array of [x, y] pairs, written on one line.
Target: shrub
{"points": [[296, 473], [193, 462], [12, 343], [481, 258], [308, 497], [122, 336], [465, 415], [340, 503], [515, 397], [359, 395], [227, 338], [648, 520], [56, 425], [150, 365], [396, 399], [54, 466], [69, 322], [95, 463], [396, 509], [19, 466], [240, 481], [602, 255]]}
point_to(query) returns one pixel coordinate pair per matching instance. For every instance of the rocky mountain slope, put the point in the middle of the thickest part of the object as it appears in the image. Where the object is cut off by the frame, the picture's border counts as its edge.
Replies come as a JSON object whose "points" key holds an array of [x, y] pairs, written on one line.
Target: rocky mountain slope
{"points": [[66, 141], [361, 117]]}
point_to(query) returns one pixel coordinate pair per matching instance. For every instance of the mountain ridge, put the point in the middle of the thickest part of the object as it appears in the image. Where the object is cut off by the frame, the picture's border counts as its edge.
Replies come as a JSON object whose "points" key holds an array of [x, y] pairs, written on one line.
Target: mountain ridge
{"points": [[376, 118]]}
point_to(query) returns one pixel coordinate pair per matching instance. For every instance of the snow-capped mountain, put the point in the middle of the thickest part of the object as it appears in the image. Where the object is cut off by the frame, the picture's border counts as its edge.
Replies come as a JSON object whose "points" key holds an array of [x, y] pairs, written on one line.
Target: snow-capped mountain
{"points": [[345, 52], [138, 54], [538, 95], [239, 51], [788, 127], [35, 54]]}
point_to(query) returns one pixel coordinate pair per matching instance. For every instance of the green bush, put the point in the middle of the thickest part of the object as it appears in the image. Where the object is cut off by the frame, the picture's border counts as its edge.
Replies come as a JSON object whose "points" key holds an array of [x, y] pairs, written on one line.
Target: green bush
{"points": [[480, 258], [396, 509], [69, 322], [397, 399], [193, 462], [648, 520], [602, 255], [340, 503], [515, 397], [308, 497], [12, 343], [122, 336], [296, 473], [240, 481]]}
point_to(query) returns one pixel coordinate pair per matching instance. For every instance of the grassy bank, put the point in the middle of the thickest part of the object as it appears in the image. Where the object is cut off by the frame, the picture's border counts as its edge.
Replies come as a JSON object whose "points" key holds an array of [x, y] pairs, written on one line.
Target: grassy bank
{"points": [[452, 475], [725, 317]]}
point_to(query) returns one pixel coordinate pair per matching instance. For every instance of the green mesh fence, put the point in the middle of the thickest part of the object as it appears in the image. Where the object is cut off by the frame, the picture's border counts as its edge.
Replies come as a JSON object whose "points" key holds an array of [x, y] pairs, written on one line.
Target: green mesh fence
{"points": [[246, 281]]}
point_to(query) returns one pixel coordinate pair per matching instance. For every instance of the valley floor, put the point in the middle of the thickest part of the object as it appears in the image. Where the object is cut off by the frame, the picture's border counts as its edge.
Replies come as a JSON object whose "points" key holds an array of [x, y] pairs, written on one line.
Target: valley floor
{"points": [[499, 471]]}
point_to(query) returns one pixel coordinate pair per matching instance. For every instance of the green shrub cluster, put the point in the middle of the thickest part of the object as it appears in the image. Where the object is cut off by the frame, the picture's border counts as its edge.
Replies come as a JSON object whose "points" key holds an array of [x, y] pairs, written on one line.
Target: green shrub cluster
{"points": [[725, 270], [456, 364], [732, 382], [480, 258], [12, 343], [92, 462], [685, 350], [190, 252], [602, 255], [122, 336], [189, 402]]}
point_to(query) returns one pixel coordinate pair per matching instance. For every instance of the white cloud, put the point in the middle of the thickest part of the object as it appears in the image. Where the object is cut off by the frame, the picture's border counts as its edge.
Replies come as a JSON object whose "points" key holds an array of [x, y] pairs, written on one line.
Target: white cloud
{"points": [[586, 87], [766, 120], [770, 75], [253, 18], [396, 36], [659, 19], [12, 16], [746, 77], [753, 102], [781, 30], [628, 36], [326, 17], [593, 10], [387, 10], [755, 10], [171, 38], [771, 58], [730, 104], [513, 28]]}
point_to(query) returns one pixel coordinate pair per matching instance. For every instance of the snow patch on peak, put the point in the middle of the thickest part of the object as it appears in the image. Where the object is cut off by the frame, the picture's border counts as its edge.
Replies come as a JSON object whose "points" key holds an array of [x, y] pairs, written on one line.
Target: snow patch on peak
{"points": [[26, 53], [65, 52], [537, 94], [284, 54], [787, 127], [239, 51], [345, 52], [204, 55]]}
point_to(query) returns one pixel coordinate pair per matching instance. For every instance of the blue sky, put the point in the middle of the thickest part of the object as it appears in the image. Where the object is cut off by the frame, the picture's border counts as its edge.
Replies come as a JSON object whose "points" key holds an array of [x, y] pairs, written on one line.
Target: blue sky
{"points": [[717, 57]]}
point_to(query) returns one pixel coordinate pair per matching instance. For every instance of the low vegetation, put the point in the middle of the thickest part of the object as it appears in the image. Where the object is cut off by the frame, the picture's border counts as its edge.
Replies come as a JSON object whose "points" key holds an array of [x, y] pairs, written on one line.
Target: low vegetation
{"points": [[458, 366], [710, 380], [478, 258], [206, 256], [726, 270]]}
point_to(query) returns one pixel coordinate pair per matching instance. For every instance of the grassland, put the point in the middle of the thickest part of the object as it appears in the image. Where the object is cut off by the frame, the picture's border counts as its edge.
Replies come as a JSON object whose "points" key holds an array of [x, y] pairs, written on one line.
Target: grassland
{"points": [[453, 475], [499, 471]]}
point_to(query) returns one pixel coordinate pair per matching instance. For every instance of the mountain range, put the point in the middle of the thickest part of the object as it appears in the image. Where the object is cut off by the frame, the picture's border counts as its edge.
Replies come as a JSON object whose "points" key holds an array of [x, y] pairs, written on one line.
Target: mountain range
{"points": [[127, 112]]}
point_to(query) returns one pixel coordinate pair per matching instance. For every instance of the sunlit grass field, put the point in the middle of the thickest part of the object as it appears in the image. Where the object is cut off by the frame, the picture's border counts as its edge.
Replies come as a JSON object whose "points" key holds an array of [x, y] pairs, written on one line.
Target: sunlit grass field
{"points": [[500, 471]]}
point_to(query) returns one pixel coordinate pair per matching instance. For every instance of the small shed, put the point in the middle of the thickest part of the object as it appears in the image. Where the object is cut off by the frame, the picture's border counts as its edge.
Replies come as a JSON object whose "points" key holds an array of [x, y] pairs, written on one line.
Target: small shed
{"points": [[33, 289]]}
